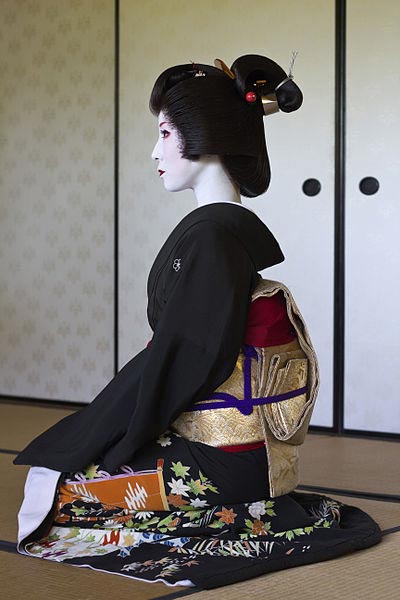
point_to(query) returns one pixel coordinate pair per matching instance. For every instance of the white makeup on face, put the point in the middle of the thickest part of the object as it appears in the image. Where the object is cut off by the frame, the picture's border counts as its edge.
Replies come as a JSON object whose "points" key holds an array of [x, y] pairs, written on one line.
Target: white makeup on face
{"points": [[205, 176], [178, 173]]}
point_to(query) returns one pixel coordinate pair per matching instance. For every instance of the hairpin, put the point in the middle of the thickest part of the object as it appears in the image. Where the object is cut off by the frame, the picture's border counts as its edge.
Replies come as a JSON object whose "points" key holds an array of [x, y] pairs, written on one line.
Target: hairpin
{"points": [[293, 58], [200, 72], [269, 102], [223, 67]]}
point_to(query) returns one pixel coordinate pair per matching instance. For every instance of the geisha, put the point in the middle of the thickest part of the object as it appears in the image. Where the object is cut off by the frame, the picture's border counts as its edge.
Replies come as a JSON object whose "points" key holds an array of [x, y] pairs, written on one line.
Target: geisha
{"points": [[184, 467]]}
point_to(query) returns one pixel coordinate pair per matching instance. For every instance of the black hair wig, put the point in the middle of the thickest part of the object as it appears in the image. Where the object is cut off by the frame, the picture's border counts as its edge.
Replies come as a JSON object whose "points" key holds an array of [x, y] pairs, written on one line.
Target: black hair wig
{"points": [[212, 116]]}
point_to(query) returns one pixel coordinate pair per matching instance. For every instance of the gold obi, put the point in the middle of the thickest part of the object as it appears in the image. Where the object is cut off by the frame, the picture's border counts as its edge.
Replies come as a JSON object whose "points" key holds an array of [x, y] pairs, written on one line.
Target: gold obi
{"points": [[281, 369], [280, 372]]}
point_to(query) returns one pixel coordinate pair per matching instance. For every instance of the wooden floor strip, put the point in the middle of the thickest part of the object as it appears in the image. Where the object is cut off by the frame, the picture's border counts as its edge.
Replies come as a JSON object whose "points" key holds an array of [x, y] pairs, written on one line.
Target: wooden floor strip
{"points": [[6, 546], [352, 493], [391, 530]]}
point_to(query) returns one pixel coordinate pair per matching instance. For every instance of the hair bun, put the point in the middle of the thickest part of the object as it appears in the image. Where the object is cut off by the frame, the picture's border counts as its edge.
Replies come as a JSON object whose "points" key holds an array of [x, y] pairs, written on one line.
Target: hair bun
{"points": [[254, 72], [289, 96]]}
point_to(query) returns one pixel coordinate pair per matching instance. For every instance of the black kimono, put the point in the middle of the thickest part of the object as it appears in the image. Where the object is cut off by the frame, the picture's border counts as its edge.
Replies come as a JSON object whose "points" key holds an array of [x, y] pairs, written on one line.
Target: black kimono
{"points": [[112, 488], [199, 290]]}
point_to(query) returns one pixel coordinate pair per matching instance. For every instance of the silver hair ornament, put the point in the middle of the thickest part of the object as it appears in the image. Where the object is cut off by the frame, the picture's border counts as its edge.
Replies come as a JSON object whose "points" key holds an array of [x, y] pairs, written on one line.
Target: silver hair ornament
{"points": [[292, 60]]}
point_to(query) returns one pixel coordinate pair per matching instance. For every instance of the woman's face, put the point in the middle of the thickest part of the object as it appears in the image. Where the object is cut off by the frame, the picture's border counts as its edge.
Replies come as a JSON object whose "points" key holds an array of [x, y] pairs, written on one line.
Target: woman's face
{"points": [[178, 173]]}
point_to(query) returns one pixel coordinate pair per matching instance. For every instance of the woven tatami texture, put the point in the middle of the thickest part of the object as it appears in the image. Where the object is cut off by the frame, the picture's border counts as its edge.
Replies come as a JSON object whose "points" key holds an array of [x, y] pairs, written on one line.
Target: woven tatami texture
{"points": [[350, 463]]}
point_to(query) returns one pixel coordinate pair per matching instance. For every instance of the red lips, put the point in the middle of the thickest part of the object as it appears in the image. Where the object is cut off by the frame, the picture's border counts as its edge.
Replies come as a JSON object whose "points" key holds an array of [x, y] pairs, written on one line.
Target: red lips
{"points": [[161, 172]]}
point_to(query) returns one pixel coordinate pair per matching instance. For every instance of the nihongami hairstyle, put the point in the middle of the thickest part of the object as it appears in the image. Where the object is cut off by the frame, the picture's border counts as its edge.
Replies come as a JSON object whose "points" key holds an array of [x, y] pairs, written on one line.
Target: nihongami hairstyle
{"points": [[209, 109]]}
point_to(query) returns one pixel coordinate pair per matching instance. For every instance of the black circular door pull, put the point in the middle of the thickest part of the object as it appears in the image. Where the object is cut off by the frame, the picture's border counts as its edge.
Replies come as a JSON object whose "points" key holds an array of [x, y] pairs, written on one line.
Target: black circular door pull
{"points": [[369, 186], [311, 187]]}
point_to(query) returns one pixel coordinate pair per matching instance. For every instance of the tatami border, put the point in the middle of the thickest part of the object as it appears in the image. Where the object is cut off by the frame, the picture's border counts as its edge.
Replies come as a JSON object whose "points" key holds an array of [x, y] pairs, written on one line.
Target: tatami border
{"points": [[352, 493]]}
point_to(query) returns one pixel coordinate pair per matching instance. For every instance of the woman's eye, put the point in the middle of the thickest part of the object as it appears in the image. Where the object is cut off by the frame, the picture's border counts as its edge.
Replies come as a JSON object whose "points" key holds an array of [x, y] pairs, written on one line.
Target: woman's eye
{"points": [[164, 133]]}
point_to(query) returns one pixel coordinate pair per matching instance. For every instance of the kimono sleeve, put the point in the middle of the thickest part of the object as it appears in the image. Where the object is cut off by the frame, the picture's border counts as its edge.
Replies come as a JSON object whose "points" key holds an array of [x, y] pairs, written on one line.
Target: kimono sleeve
{"points": [[197, 337]]}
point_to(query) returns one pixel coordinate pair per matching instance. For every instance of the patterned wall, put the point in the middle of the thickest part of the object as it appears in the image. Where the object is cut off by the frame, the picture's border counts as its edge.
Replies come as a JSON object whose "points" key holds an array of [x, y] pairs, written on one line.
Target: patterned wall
{"points": [[56, 197]]}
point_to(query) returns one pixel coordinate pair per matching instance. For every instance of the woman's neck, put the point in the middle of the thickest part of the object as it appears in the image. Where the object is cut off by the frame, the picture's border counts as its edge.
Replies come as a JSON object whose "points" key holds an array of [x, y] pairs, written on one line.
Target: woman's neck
{"points": [[214, 183]]}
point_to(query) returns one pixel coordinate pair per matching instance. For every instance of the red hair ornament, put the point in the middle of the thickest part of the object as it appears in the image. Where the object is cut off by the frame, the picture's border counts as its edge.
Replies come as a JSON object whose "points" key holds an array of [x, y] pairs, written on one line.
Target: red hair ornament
{"points": [[269, 101], [251, 97]]}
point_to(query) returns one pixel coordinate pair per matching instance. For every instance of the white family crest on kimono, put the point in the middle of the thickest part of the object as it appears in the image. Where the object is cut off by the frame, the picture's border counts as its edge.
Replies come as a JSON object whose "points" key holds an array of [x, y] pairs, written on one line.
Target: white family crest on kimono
{"points": [[177, 264]]}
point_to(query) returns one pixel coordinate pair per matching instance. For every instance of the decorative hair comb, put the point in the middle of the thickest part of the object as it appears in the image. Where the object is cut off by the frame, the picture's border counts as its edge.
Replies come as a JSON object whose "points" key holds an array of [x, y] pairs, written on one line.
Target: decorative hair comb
{"points": [[221, 65]]}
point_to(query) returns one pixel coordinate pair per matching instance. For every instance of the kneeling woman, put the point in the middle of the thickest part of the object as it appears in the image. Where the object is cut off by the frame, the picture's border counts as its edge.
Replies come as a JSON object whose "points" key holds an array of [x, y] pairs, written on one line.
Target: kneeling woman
{"points": [[183, 468]]}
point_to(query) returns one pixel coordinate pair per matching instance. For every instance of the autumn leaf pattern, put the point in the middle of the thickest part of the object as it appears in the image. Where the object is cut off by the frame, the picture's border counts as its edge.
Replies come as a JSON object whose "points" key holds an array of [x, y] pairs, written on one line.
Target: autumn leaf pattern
{"points": [[226, 515], [176, 500], [198, 522], [179, 469]]}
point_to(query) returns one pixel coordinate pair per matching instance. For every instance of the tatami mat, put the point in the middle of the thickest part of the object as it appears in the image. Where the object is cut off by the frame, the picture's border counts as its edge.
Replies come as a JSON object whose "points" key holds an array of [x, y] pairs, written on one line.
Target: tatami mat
{"points": [[36, 579], [350, 463], [20, 423], [11, 495], [370, 574]]}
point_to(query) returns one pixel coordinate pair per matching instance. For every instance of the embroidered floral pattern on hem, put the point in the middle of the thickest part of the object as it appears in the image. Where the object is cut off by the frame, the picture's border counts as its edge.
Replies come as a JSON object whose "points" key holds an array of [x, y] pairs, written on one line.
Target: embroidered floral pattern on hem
{"points": [[169, 517]]}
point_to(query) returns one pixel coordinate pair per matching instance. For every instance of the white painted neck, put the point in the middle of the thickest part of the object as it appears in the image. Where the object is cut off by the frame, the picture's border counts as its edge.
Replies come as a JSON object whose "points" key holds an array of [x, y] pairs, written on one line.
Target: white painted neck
{"points": [[213, 183]]}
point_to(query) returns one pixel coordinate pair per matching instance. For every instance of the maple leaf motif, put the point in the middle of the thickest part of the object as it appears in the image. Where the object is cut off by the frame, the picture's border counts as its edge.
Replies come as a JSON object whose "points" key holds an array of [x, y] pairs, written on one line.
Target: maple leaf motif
{"points": [[197, 487], [180, 470], [78, 511], [227, 515], [176, 500], [258, 528], [178, 487], [173, 523], [197, 503], [74, 532], [164, 440], [91, 471], [129, 539]]}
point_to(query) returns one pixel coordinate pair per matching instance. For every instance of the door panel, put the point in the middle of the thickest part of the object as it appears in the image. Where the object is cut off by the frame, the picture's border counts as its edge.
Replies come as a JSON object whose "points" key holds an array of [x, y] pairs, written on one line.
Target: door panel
{"points": [[372, 376]]}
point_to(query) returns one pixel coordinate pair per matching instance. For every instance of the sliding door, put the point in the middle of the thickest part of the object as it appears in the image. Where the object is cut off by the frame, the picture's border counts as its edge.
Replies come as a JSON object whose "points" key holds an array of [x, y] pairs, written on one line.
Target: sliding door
{"points": [[56, 199], [372, 359]]}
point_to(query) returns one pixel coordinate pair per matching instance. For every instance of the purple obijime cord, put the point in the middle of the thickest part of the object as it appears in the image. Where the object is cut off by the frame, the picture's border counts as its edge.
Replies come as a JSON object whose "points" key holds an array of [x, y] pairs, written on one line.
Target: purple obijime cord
{"points": [[245, 406]]}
